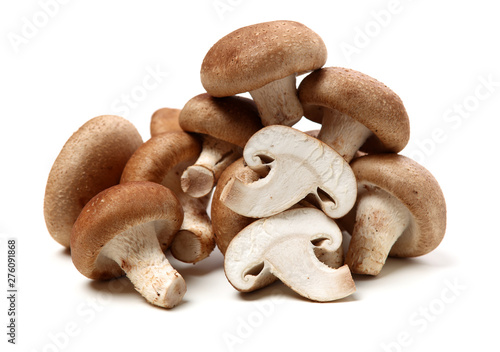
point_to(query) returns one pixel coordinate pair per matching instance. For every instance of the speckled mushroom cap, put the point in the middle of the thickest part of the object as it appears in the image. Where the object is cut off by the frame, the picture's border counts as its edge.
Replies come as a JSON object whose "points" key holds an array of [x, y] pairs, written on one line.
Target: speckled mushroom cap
{"points": [[164, 120], [417, 189], [114, 211], [231, 119], [227, 223], [91, 160], [157, 156], [361, 97], [253, 56]]}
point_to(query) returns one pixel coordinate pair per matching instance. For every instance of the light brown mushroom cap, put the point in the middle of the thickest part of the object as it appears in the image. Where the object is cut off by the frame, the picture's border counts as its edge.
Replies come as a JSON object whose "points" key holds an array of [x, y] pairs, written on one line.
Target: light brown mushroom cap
{"points": [[157, 156], [114, 211], [231, 119], [227, 223], [361, 97], [165, 120], [91, 160], [417, 189], [253, 56]]}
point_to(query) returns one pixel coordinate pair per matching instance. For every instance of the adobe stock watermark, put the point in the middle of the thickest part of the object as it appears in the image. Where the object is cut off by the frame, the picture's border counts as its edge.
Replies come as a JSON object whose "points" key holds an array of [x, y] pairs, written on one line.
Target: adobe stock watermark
{"points": [[363, 35], [247, 325], [453, 118], [86, 312], [222, 7], [425, 315], [131, 99], [33, 24]]}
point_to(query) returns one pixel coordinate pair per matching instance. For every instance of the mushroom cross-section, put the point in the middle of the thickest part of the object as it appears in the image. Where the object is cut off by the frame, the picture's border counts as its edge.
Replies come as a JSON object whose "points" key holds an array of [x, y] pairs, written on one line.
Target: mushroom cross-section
{"points": [[227, 224], [90, 161], [293, 165], [162, 159], [264, 59], [225, 125], [355, 110], [282, 246], [123, 229], [400, 211]]}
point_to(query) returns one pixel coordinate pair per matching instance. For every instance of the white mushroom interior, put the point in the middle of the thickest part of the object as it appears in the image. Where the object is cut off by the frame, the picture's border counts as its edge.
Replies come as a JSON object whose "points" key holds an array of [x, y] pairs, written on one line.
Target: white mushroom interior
{"points": [[195, 239], [381, 219], [137, 251], [343, 133], [283, 246], [199, 179], [278, 103], [295, 165]]}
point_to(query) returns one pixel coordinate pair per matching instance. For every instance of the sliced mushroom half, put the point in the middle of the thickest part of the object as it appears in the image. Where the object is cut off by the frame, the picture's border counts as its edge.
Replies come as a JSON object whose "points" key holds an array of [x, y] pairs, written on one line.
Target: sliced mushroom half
{"points": [[282, 246], [293, 165]]}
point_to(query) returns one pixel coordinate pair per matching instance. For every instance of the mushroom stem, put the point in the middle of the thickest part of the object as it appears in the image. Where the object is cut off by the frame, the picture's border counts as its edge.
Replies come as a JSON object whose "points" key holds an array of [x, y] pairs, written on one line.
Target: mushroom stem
{"points": [[278, 103], [380, 220], [199, 179], [138, 253], [195, 239], [343, 133]]}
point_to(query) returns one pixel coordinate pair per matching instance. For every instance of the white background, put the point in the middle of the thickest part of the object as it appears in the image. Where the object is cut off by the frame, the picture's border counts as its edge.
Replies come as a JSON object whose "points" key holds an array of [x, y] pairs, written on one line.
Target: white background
{"points": [[82, 57]]}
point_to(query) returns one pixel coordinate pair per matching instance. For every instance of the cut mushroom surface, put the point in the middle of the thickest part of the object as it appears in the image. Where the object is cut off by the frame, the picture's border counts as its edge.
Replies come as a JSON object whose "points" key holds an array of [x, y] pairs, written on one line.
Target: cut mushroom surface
{"points": [[122, 230], [90, 161], [227, 224], [264, 59], [162, 159], [292, 165], [356, 111], [282, 246], [225, 125], [400, 211]]}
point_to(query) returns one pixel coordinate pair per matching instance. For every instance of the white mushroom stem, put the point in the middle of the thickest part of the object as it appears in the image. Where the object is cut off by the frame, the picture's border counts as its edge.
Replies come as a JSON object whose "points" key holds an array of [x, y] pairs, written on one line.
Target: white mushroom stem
{"points": [[343, 133], [195, 240], [278, 103], [199, 179], [380, 221], [137, 251]]}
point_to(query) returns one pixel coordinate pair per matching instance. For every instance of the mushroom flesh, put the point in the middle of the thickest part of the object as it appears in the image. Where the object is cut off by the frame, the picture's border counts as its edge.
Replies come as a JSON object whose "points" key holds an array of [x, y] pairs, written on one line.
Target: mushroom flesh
{"points": [[282, 246]]}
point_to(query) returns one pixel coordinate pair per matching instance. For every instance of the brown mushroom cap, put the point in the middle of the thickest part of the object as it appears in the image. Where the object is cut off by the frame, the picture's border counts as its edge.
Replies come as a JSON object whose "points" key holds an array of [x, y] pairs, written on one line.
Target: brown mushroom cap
{"points": [[91, 160], [253, 56], [227, 223], [157, 156], [417, 189], [231, 119], [162, 159], [164, 120], [364, 99], [114, 211]]}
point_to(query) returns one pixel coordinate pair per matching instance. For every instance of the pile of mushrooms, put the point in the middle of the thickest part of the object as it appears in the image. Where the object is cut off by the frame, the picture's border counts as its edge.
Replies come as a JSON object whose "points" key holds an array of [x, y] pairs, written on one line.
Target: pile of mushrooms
{"points": [[281, 198]]}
